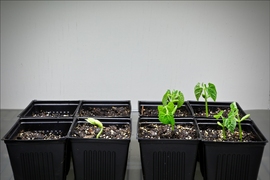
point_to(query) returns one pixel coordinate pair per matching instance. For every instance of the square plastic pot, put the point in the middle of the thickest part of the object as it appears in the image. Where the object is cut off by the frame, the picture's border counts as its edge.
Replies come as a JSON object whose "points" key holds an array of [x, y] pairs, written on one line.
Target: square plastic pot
{"points": [[152, 106], [173, 159], [104, 159], [231, 160], [50, 109], [39, 159], [105, 109], [199, 106]]}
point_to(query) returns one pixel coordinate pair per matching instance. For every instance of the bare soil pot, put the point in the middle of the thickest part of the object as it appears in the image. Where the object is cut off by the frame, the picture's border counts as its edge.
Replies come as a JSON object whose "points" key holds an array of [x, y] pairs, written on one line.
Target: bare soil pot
{"points": [[108, 109], [38, 149], [50, 109]]}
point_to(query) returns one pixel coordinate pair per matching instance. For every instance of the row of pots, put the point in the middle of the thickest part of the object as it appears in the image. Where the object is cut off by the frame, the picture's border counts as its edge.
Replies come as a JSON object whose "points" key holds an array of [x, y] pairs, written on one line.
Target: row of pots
{"points": [[105, 159], [177, 159], [50, 159]]}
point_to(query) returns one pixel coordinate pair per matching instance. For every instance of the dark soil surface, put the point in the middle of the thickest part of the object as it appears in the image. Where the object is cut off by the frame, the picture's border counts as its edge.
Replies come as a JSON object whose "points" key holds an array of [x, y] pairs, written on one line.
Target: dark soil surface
{"points": [[53, 114], [215, 134], [38, 135], [110, 111], [86, 130], [161, 131], [200, 111], [153, 112]]}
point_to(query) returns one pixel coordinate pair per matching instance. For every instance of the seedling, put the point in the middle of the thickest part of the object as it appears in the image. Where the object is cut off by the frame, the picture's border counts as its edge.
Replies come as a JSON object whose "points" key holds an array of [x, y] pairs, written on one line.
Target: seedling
{"points": [[231, 121], [223, 124], [170, 102], [96, 122], [206, 92]]}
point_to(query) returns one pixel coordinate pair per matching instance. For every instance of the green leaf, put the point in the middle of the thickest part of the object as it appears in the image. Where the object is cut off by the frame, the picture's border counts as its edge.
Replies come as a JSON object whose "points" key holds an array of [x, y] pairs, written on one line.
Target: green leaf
{"points": [[164, 115], [174, 95], [165, 97], [219, 124], [233, 106], [181, 99], [245, 117], [211, 91], [217, 116], [94, 122], [230, 122], [198, 91], [170, 107]]}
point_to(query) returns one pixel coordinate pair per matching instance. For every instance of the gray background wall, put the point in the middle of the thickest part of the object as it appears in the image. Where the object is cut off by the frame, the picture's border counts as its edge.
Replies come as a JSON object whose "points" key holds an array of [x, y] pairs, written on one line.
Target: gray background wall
{"points": [[120, 50]]}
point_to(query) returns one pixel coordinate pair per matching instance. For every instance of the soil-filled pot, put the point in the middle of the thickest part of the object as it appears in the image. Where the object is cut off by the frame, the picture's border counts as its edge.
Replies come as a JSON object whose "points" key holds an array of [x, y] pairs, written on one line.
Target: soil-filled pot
{"points": [[101, 109], [150, 109], [198, 109], [38, 149], [50, 109], [229, 159], [104, 158], [167, 154]]}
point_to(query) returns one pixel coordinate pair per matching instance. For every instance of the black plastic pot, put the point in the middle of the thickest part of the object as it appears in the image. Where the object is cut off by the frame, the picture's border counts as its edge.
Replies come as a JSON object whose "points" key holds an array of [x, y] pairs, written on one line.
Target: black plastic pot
{"points": [[39, 159], [198, 107], [173, 159], [101, 109], [50, 109], [152, 107], [104, 159], [231, 160]]}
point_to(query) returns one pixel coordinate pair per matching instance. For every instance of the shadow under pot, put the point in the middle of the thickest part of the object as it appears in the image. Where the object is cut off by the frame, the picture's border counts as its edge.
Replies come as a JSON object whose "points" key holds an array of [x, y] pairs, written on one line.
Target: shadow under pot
{"points": [[104, 157], [167, 154], [230, 159], [38, 149]]}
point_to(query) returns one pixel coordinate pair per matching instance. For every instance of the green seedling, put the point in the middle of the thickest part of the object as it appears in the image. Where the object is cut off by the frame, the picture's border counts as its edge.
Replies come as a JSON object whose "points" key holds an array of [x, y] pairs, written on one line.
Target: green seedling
{"points": [[223, 124], [96, 122], [231, 121], [170, 102], [237, 118], [206, 92]]}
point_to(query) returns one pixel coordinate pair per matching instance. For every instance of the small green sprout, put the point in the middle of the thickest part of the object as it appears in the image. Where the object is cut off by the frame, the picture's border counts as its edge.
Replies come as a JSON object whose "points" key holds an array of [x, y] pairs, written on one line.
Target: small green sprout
{"points": [[96, 122], [231, 121], [170, 102], [206, 92]]}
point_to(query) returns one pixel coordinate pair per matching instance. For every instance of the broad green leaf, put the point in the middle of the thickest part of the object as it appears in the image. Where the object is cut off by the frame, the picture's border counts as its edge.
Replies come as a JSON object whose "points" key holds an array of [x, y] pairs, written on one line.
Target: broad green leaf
{"points": [[233, 106], [161, 109], [181, 99], [170, 107], [162, 114], [164, 118], [198, 91], [165, 97], [230, 123], [212, 92], [174, 95]]}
